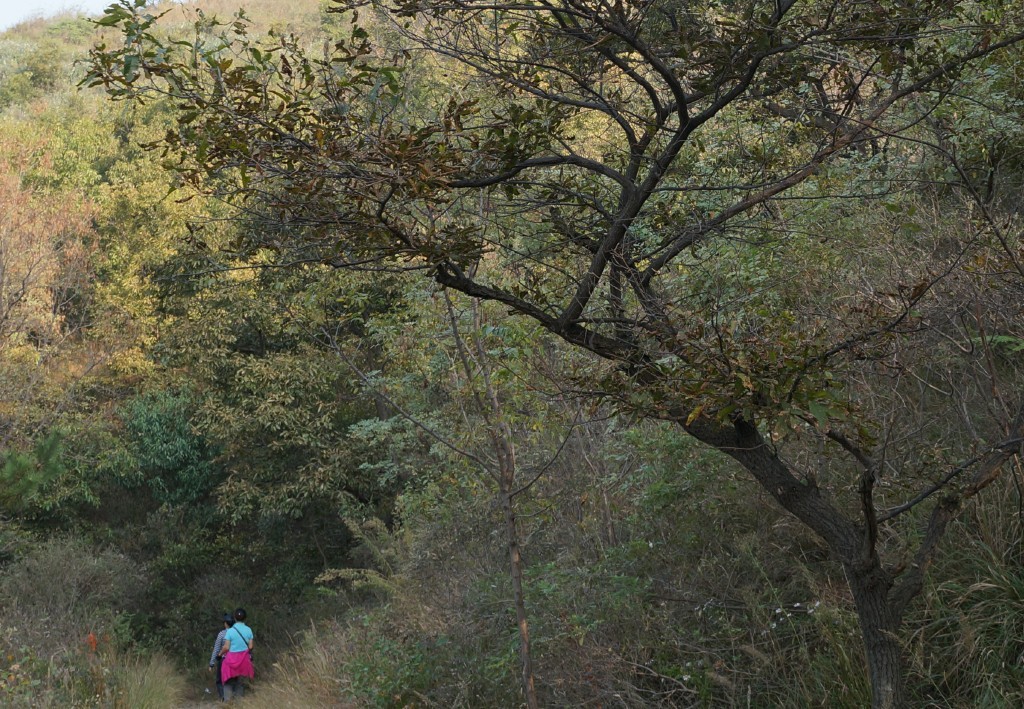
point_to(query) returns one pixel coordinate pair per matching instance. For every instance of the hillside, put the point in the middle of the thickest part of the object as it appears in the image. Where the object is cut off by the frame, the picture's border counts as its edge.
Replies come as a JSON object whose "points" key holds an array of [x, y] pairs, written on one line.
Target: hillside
{"points": [[571, 354]]}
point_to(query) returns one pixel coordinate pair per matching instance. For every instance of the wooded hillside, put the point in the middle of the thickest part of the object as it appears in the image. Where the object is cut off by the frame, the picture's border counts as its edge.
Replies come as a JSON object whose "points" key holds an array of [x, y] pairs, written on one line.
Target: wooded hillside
{"points": [[572, 353]]}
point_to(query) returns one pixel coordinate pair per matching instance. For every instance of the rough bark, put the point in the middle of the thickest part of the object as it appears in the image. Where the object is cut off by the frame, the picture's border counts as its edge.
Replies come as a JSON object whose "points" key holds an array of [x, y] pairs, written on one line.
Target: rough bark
{"points": [[879, 623]]}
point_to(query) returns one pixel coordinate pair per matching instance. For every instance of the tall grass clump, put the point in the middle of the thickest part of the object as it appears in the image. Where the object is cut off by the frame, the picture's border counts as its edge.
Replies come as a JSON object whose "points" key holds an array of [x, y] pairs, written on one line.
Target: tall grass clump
{"points": [[307, 676], [968, 645], [151, 682]]}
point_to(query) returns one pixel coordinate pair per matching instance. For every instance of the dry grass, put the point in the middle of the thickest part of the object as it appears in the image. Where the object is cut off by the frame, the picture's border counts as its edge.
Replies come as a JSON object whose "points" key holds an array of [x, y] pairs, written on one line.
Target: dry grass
{"points": [[264, 14], [304, 678], [149, 683]]}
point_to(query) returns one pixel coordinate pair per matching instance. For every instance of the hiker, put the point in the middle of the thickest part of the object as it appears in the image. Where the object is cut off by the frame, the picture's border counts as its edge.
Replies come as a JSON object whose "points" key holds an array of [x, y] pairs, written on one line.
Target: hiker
{"points": [[215, 658], [237, 661]]}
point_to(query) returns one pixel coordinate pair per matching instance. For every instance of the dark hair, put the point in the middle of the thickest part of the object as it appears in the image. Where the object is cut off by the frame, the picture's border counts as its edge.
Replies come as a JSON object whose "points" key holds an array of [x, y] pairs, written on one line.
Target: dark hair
{"points": [[239, 614], [228, 618]]}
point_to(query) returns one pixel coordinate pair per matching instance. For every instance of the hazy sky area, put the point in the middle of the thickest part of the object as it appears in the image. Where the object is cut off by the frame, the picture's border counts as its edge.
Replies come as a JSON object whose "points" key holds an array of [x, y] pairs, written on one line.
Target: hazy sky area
{"points": [[14, 11]]}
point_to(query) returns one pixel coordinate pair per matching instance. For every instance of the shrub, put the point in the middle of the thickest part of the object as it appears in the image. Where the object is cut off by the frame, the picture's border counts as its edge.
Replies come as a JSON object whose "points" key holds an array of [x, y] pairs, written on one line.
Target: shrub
{"points": [[65, 612], [63, 590]]}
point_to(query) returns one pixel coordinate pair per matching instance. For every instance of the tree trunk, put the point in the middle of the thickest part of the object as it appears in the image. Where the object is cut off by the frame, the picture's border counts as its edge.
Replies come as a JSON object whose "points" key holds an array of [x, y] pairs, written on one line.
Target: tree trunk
{"points": [[516, 569], [879, 624], [501, 437], [878, 612]]}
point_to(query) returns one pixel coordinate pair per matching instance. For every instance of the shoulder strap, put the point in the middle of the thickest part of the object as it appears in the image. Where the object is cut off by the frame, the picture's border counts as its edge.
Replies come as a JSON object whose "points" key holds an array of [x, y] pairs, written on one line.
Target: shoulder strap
{"points": [[245, 643]]}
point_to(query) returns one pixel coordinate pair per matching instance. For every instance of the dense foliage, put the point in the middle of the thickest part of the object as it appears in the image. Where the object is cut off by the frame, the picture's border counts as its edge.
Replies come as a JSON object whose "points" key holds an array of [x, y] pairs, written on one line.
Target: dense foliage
{"points": [[557, 354]]}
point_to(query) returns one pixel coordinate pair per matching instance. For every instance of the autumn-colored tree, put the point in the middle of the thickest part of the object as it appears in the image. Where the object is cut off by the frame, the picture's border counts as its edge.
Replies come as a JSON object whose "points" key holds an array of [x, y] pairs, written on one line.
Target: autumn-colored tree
{"points": [[43, 265], [45, 247]]}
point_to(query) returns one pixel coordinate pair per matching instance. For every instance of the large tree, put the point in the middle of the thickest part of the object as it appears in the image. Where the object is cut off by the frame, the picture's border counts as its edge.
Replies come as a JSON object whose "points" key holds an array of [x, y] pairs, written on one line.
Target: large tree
{"points": [[724, 200]]}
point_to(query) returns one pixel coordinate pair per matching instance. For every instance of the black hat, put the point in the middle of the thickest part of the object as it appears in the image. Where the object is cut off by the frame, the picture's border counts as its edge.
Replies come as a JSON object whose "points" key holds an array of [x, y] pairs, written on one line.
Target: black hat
{"points": [[228, 618]]}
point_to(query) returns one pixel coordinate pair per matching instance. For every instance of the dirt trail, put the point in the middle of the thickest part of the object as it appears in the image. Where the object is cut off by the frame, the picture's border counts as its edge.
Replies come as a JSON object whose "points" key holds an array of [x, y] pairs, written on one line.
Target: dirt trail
{"points": [[201, 697]]}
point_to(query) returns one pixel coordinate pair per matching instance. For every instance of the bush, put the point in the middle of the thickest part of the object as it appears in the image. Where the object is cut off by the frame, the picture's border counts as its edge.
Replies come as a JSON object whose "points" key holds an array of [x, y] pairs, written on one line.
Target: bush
{"points": [[65, 615], [63, 590]]}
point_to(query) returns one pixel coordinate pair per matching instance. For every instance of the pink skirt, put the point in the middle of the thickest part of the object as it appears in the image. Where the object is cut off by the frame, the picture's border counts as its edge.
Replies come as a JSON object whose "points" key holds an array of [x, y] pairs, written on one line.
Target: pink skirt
{"points": [[236, 664]]}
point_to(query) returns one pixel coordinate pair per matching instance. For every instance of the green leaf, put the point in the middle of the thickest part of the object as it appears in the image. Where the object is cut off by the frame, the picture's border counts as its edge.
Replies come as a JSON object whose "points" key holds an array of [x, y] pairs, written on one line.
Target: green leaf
{"points": [[131, 67], [820, 412], [111, 16]]}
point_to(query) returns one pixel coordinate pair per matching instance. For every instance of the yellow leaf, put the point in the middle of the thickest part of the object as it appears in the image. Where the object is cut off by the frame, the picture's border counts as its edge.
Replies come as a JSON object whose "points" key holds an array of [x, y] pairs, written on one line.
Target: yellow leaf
{"points": [[694, 414]]}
